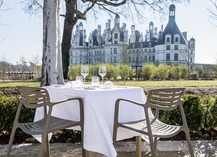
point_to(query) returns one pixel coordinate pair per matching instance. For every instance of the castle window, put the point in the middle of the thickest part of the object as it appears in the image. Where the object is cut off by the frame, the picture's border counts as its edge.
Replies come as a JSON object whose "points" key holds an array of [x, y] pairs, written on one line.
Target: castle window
{"points": [[116, 35], [129, 59], [115, 59], [115, 50], [167, 57], [176, 39], [168, 47], [149, 45], [176, 47], [116, 42], [168, 39], [149, 58], [176, 57]]}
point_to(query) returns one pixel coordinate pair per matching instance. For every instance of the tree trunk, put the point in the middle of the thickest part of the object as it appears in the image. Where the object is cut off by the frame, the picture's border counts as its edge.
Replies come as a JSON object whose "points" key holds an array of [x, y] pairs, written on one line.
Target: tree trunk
{"points": [[69, 23], [52, 58]]}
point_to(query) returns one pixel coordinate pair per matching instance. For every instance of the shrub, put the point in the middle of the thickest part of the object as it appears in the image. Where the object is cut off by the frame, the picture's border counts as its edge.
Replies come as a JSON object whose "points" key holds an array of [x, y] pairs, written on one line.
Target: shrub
{"points": [[207, 103], [162, 71], [74, 71], [124, 71], [8, 108], [176, 72], [112, 72], [213, 113], [194, 112], [148, 71]]}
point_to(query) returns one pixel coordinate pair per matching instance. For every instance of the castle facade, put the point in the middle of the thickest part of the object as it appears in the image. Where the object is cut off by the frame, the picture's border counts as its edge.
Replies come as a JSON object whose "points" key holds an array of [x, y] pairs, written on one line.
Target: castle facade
{"points": [[114, 45]]}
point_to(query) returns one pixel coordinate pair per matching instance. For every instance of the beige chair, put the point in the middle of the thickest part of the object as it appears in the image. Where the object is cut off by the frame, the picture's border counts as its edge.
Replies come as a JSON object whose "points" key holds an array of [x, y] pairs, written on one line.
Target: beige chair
{"points": [[158, 99], [32, 98]]}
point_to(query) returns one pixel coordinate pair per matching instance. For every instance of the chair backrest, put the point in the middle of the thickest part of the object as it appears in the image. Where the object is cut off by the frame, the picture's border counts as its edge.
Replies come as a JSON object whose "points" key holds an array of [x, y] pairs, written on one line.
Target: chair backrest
{"points": [[165, 98], [33, 97]]}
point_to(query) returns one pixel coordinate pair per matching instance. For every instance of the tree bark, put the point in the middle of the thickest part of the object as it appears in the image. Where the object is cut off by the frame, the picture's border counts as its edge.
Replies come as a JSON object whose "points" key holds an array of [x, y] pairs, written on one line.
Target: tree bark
{"points": [[69, 23], [51, 61]]}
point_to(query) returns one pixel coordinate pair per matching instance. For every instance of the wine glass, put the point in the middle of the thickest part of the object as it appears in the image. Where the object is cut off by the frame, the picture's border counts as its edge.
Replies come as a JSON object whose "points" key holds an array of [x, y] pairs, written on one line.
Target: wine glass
{"points": [[102, 71], [84, 71]]}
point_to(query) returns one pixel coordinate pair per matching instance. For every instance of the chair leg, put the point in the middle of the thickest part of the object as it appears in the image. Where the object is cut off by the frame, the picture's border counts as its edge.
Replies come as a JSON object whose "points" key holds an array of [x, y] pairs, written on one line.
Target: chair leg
{"points": [[189, 144], [155, 144], [84, 152], [45, 148], [138, 146], [11, 141], [114, 137], [152, 147]]}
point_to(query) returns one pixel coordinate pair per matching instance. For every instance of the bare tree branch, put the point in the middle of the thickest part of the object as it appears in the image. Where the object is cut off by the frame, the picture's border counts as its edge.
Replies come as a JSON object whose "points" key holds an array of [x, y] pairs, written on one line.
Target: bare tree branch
{"points": [[32, 6], [213, 12], [115, 4], [1, 2]]}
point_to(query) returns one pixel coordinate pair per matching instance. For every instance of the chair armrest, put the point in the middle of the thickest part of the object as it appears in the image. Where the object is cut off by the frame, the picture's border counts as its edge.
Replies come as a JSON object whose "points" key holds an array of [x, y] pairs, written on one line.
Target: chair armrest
{"points": [[130, 101], [65, 100], [117, 103]]}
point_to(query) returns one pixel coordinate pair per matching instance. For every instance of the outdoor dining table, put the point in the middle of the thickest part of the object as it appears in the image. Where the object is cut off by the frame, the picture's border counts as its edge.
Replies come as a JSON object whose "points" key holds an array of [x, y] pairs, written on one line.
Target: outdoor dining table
{"points": [[99, 104]]}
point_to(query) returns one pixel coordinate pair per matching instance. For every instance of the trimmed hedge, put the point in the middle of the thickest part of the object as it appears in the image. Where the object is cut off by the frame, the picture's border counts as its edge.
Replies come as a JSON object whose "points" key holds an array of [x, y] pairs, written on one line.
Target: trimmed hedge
{"points": [[201, 113]]}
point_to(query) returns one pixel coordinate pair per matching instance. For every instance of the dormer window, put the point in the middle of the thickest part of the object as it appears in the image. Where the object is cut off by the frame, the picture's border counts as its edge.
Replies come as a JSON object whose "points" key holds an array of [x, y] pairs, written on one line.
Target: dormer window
{"points": [[168, 38], [176, 38]]}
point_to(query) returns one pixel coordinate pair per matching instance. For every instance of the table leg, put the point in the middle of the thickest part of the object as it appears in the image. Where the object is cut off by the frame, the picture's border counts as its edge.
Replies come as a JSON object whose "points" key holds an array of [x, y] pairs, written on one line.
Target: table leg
{"points": [[89, 153], [138, 146]]}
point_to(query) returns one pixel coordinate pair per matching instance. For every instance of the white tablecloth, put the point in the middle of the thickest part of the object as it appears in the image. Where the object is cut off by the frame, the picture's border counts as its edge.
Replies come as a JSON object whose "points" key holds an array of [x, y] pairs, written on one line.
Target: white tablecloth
{"points": [[98, 113]]}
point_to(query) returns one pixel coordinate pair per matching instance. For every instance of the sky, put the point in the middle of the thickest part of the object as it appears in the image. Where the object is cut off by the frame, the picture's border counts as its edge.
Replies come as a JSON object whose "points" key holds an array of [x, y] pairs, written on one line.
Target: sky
{"points": [[21, 34]]}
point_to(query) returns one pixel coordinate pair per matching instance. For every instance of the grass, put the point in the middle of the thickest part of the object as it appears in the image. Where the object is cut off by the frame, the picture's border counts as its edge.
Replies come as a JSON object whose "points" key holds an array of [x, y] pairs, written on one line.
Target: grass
{"points": [[19, 83], [180, 83]]}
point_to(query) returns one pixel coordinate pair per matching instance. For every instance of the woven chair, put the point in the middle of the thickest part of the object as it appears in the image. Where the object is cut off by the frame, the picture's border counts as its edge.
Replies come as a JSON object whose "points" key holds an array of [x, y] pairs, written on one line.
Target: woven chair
{"points": [[35, 97], [159, 99]]}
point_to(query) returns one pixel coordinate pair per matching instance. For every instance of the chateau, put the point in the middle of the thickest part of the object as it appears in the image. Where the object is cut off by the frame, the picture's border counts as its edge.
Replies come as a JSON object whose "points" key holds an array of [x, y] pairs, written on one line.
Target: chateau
{"points": [[114, 45]]}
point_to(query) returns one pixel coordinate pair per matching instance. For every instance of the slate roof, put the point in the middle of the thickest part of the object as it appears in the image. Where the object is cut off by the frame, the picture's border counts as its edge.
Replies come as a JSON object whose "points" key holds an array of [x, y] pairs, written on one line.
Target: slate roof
{"points": [[172, 29], [145, 44]]}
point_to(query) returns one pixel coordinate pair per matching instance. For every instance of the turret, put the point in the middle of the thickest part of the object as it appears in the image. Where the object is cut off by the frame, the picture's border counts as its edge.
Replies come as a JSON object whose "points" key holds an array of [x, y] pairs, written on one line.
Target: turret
{"points": [[133, 35], [117, 20]]}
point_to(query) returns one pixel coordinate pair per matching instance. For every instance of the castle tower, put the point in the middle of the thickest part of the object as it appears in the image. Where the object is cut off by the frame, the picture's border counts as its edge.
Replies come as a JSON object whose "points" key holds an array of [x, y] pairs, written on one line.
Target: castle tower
{"points": [[151, 29], [81, 36], [171, 31], [133, 34]]}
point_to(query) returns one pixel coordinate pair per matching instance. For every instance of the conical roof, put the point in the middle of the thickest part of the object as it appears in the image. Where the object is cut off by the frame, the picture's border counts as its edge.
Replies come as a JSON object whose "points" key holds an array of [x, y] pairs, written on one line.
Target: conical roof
{"points": [[172, 28]]}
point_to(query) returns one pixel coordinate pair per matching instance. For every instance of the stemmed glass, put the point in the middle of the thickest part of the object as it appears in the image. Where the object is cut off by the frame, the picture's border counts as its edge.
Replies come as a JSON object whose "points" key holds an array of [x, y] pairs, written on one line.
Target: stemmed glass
{"points": [[84, 71], [102, 71]]}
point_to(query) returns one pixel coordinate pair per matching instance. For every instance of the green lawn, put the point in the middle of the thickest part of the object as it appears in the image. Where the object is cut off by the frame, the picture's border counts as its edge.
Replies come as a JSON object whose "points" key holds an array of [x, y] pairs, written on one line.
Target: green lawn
{"points": [[19, 83], [186, 83], [191, 83]]}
